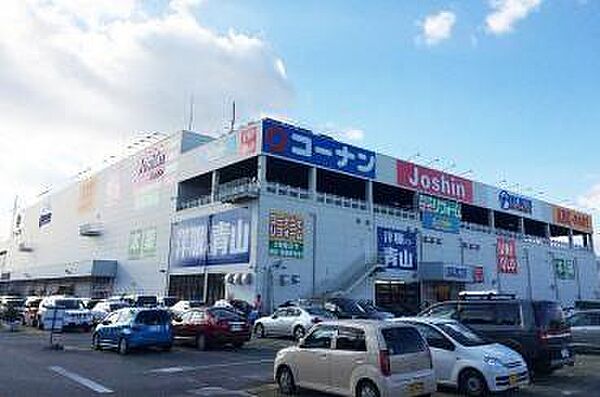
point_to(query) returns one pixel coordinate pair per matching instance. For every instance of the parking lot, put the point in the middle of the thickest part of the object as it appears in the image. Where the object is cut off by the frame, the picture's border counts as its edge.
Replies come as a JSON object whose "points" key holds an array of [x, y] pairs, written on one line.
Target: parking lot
{"points": [[29, 368]]}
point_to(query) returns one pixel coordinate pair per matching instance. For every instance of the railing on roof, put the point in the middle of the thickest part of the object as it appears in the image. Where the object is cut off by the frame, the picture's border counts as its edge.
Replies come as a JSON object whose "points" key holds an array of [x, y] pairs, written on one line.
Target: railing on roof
{"points": [[286, 190], [395, 211], [339, 201], [193, 203], [238, 189]]}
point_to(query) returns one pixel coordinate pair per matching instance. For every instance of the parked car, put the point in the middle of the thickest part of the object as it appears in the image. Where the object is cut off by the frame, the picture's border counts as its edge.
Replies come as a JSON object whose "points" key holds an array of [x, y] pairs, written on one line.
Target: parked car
{"points": [[75, 313], [346, 308], [535, 329], [104, 307], [466, 361], [11, 308], [212, 326], [585, 330], [167, 301], [184, 305], [141, 300], [358, 358], [30, 311], [291, 321], [132, 328]]}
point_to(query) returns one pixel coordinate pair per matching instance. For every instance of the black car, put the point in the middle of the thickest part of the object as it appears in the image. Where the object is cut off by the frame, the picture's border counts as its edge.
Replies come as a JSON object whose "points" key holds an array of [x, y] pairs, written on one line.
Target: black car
{"points": [[536, 329], [346, 308]]}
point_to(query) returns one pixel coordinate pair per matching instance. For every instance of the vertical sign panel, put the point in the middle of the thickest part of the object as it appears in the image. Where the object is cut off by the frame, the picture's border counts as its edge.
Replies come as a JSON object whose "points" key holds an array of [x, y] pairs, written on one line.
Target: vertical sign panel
{"points": [[286, 235], [507, 255], [397, 249], [440, 214]]}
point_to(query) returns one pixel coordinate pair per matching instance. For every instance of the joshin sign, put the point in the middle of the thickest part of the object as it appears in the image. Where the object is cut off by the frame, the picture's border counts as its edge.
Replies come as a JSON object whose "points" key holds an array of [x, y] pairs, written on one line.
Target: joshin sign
{"points": [[434, 182]]}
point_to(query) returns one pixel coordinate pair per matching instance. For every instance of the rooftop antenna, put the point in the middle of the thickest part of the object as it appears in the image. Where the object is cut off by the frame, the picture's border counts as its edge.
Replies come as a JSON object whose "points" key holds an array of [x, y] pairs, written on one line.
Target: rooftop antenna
{"points": [[232, 117], [191, 119]]}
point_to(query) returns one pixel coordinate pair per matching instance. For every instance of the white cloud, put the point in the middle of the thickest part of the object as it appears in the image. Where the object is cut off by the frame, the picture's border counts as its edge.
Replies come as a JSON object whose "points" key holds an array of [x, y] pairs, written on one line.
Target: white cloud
{"points": [[505, 13], [353, 135], [438, 27], [80, 77]]}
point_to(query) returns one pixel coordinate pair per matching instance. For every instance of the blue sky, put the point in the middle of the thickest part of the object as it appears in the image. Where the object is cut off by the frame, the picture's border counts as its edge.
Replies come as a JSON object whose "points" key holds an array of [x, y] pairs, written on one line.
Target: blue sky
{"points": [[521, 106], [508, 88]]}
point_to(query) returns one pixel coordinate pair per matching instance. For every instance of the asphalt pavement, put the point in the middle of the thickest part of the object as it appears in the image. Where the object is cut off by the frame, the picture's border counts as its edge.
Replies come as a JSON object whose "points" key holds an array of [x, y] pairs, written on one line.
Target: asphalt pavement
{"points": [[28, 367]]}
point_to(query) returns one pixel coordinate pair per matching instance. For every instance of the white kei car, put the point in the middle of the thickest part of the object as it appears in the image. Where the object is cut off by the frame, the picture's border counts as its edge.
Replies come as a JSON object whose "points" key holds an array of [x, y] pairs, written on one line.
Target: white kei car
{"points": [[292, 321], [464, 360], [358, 358]]}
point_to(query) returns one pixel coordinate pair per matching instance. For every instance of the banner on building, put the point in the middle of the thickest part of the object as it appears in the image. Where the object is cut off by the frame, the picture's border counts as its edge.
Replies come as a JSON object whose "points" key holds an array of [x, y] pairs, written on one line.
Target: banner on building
{"points": [[478, 274], [286, 235], [507, 255], [440, 214], [434, 182], [572, 219], [142, 243], [87, 194], [150, 165], [217, 239], [564, 269], [45, 214], [509, 201], [302, 145], [397, 249]]}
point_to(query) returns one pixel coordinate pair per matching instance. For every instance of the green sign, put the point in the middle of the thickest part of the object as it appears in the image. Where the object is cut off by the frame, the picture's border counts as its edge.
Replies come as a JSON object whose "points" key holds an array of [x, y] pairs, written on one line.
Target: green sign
{"points": [[565, 269], [286, 235], [440, 214], [142, 242]]}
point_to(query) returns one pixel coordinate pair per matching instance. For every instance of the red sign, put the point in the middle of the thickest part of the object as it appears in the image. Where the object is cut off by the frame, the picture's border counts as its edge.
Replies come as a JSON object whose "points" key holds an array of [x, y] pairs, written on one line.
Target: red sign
{"points": [[434, 182], [478, 274], [247, 143], [573, 219], [507, 255]]}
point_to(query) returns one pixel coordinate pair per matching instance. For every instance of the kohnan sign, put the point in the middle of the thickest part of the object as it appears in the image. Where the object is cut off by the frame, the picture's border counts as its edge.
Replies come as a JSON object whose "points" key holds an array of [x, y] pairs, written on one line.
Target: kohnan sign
{"points": [[434, 182]]}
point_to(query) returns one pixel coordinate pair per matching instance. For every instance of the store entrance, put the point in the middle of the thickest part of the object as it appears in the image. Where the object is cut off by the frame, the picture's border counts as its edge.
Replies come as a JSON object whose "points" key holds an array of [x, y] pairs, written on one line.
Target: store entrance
{"points": [[191, 287], [440, 291], [398, 297]]}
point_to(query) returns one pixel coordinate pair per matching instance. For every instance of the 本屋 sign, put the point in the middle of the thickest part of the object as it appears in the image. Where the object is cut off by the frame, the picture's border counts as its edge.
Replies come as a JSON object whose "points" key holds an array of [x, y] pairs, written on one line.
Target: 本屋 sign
{"points": [[142, 243], [572, 219], [564, 269], [434, 182], [302, 145], [397, 249], [506, 253], [440, 214], [150, 165], [286, 235], [510, 201], [217, 239]]}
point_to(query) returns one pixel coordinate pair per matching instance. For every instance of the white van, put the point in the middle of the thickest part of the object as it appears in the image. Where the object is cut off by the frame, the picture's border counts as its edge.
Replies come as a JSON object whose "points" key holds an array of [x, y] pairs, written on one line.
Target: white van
{"points": [[361, 358], [76, 315]]}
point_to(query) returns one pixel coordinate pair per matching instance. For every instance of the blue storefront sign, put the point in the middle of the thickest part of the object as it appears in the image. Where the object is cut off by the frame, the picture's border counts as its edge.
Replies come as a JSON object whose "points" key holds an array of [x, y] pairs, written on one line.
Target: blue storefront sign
{"points": [[457, 273], [397, 249], [510, 201], [299, 144], [439, 214], [216, 239]]}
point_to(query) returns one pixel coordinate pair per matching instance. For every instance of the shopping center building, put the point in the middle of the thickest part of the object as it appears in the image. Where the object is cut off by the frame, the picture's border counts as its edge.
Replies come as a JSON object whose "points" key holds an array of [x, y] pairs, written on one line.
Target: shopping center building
{"points": [[277, 210]]}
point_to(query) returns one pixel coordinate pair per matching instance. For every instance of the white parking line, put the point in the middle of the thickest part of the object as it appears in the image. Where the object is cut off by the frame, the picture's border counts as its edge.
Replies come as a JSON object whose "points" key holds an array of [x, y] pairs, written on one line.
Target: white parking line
{"points": [[90, 384], [171, 370]]}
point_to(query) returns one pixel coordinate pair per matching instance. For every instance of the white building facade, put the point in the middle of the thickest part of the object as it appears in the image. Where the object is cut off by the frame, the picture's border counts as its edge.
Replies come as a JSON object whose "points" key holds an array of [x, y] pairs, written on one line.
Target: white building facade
{"points": [[277, 210]]}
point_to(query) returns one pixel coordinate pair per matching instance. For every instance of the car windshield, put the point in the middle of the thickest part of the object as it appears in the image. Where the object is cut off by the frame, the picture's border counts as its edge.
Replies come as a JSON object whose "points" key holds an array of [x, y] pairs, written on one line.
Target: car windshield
{"points": [[403, 340], [146, 301], [462, 334], [170, 301], [117, 306], [368, 306], [318, 311], [196, 303], [224, 314], [69, 304], [15, 302], [549, 316], [349, 306]]}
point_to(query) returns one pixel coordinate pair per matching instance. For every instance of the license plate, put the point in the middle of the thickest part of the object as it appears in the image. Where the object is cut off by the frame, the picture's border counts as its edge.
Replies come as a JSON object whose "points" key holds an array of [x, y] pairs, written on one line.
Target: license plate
{"points": [[565, 353], [513, 379], [236, 328], [416, 388]]}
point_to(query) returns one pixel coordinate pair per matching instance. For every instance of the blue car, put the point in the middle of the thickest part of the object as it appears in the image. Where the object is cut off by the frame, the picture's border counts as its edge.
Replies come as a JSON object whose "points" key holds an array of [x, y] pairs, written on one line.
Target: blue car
{"points": [[132, 328]]}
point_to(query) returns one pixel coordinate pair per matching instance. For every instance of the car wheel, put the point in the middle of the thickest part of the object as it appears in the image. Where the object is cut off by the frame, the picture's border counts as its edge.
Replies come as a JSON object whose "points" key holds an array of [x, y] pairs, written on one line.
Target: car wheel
{"points": [[259, 330], [473, 384], [367, 389], [123, 346], [285, 381], [200, 342], [96, 342], [299, 332]]}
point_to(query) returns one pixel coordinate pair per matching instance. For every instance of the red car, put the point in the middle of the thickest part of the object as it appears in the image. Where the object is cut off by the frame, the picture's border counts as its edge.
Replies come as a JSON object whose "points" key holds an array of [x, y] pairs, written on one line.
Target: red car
{"points": [[212, 326]]}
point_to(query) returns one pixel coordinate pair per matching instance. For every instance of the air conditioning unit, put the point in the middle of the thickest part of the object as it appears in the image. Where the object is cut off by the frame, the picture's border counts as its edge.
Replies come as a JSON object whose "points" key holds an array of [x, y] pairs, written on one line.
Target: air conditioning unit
{"points": [[91, 229], [25, 246]]}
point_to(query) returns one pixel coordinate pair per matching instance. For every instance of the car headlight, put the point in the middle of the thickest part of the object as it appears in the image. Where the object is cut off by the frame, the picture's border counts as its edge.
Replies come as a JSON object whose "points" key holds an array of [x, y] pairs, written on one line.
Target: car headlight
{"points": [[493, 361]]}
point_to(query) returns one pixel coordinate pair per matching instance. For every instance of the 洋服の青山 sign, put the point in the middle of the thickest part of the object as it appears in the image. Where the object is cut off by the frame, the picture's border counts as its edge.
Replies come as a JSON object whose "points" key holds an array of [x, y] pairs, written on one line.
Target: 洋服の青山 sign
{"points": [[217, 239], [507, 255], [286, 235], [434, 182], [397, 249], [572, 219], [299, 144], [510, 201]]}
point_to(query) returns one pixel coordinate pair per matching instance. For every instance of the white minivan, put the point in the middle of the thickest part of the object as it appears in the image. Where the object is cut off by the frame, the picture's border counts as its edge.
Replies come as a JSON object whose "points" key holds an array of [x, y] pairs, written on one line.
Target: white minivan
{"points": [[464, 360], [363, 358]]}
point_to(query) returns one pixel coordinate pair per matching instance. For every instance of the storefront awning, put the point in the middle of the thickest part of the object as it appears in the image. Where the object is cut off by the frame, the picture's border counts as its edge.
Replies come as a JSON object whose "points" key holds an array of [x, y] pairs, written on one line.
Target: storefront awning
{"points": [[78, 269]]}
